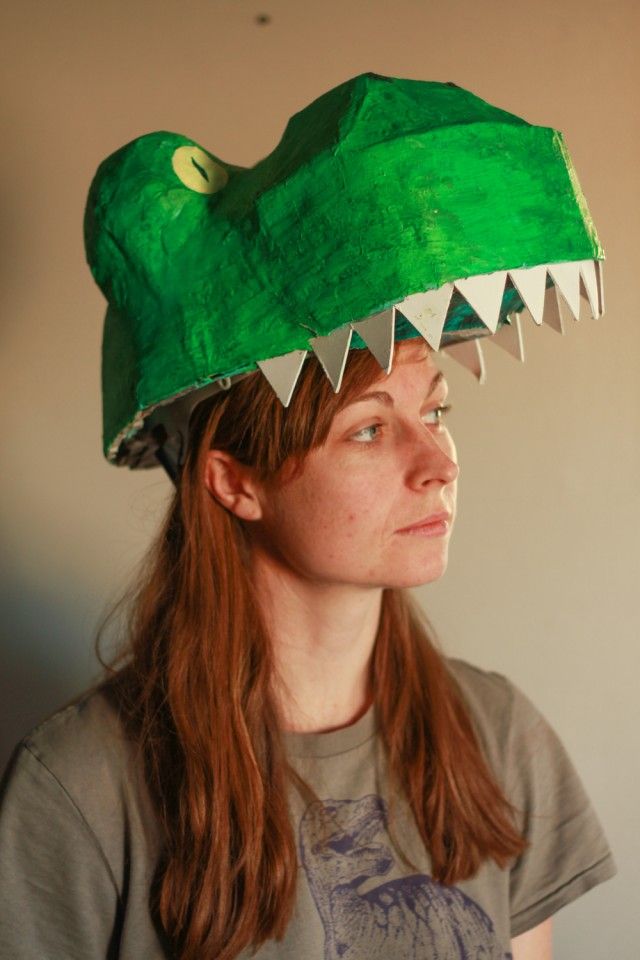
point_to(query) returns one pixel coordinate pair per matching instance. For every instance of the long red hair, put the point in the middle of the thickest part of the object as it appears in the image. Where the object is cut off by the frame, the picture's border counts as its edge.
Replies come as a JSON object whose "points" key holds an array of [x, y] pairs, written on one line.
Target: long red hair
{"points": [[194, 683]]}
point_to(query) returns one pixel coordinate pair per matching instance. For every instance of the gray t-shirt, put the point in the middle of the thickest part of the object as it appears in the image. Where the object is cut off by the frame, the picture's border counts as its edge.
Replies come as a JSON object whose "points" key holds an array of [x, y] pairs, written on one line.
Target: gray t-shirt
{"points": [[79, 843]]}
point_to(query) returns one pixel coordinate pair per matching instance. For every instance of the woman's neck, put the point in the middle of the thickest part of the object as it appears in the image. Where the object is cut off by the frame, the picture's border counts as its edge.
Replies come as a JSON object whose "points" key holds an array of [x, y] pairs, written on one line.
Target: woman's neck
{"points": [[323, 637]]}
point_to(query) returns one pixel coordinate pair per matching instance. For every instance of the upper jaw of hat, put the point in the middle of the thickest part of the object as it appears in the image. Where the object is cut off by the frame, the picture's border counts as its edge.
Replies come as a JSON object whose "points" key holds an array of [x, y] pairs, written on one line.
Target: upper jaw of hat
{"points": [[548, 293]]}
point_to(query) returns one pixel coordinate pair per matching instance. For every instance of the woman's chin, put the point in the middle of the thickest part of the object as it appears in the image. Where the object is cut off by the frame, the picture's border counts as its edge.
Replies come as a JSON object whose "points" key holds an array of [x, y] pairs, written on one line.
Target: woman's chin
{"points": [[419, 575]]}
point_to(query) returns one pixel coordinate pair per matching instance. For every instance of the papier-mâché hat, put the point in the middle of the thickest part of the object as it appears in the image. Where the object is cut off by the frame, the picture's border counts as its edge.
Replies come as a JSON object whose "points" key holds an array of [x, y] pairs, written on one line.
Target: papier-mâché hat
{"points": [[390, 208]]}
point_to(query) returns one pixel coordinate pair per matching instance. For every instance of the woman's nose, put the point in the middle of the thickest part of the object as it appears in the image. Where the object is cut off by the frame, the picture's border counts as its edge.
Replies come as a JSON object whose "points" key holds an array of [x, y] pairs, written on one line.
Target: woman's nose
{"points": [[434, 458]]}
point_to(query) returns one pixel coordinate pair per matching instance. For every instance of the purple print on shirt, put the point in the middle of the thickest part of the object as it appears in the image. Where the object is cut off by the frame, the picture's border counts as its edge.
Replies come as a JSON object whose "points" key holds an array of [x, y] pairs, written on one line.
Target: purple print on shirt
{"points": [[410, 918]]}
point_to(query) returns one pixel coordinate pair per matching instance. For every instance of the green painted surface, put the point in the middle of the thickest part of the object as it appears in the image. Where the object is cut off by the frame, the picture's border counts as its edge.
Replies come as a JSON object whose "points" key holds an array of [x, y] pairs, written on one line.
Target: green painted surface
{"points": [[379, 189]]}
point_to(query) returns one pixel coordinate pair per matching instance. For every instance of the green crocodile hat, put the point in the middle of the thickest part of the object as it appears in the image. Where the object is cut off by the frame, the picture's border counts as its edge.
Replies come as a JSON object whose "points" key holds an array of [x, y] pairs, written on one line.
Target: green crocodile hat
{"points": [[389, 209]]}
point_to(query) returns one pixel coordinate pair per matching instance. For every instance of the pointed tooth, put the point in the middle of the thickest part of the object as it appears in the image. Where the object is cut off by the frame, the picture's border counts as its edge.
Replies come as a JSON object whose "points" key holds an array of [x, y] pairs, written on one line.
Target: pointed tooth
{"points": [[566, 277], [469, 354], [509, 337], [525, 315], [530, 283], [484, 294], [600, 272], [283, 372], [378, 333], [590, 285], [554, 312], [427, 312], [332, 352]]}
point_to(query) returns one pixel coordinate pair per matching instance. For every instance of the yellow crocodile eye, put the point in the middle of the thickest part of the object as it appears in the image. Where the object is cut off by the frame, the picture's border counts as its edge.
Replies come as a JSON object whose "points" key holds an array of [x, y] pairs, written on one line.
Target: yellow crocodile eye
{"points": [[197, 170]]}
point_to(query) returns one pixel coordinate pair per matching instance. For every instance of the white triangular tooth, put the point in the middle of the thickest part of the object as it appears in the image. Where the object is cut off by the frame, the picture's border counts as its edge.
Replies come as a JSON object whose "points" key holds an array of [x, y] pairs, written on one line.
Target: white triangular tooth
{"points": [[566, 277], [332, 352], [378, 332], [484, 294], [469, 354], [427, 312], [525, 315], [590, 286], [530, 282], [600, 273], [554, 311], [282, 373], [509, 337]]}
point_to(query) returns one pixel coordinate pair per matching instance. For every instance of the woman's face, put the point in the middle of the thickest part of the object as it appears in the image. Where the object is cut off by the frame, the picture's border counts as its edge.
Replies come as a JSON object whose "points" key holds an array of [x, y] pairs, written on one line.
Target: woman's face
{"points": [[374, 505]]}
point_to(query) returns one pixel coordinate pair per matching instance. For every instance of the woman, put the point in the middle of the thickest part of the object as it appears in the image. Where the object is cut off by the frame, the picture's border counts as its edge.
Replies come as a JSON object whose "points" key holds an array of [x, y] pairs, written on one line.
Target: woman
{"points": [[297, 543], [282, 760]]}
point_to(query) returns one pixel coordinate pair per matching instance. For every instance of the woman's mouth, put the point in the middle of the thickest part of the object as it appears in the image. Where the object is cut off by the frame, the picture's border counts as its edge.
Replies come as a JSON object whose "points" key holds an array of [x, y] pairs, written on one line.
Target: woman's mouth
{"points": [[435, 525]]}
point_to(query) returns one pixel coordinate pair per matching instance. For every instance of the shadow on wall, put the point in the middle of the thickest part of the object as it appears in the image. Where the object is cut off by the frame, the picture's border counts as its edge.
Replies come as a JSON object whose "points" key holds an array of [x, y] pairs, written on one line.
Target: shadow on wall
{"points": [[47, 657]]}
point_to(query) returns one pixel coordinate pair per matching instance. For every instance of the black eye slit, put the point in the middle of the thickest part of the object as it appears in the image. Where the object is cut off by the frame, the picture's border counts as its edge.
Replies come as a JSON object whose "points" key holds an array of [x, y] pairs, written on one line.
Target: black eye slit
{"points": [[200, 169]]}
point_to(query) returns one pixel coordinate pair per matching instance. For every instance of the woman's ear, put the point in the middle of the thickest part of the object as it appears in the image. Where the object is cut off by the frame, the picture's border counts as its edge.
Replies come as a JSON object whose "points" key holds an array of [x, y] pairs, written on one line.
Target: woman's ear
{"points": [[233, 485]]}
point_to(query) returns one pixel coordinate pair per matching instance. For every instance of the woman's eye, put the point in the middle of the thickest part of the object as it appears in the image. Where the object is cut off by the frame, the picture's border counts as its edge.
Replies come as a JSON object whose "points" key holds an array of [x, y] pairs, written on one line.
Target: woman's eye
{"points": [[367, 434], [437, 415]]}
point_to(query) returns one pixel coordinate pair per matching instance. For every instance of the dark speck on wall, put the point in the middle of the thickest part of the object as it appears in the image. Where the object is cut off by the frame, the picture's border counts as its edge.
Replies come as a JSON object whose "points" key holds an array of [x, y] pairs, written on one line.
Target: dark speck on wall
{"points": [[262, 19]]}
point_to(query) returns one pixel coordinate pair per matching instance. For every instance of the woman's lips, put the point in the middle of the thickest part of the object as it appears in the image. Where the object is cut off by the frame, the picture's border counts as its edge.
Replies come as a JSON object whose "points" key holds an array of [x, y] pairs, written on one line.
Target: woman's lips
{"points": [[435, 525]]}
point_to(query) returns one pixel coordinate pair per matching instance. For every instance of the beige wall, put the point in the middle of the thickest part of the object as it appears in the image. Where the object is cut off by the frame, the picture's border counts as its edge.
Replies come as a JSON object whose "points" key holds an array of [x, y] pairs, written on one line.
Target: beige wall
{"points": [[543, 581]]}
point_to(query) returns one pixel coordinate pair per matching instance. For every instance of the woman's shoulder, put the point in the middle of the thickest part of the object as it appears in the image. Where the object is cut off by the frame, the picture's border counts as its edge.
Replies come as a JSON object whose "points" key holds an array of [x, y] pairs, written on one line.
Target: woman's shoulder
{"points": [[78, 834], [493, 699], [486, 691], [79, 777], [84, 757], [500, 712], [568, 851], [84, 739]]}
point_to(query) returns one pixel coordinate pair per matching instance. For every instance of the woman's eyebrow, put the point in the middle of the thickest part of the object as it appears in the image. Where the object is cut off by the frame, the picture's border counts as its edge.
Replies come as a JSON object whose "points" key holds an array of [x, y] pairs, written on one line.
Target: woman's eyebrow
{"points": [[387, 399]]}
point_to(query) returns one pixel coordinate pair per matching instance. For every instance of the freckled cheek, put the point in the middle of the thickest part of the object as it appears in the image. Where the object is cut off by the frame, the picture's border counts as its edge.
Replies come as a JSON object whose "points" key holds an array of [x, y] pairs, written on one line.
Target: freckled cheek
{"points": [[351, 528], [362, 523]]}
